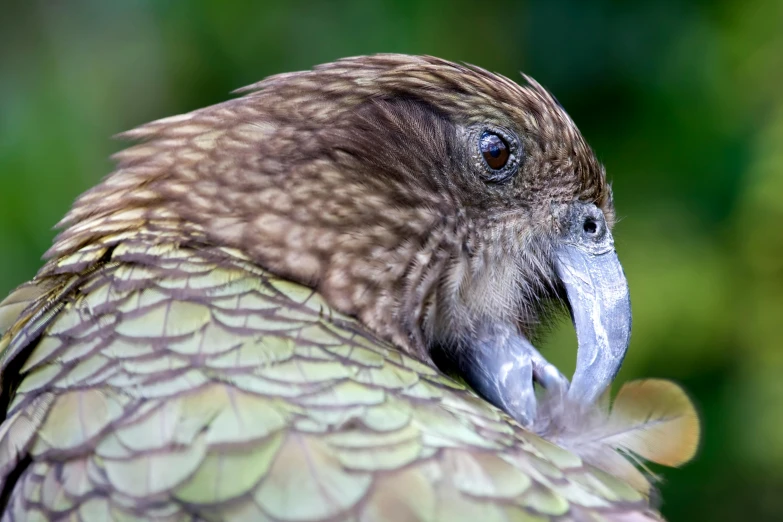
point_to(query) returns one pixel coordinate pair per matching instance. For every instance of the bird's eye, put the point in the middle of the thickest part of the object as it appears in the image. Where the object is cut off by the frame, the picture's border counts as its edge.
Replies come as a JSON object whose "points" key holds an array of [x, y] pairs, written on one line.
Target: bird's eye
{"points": [[494, 149], [498, 152]]}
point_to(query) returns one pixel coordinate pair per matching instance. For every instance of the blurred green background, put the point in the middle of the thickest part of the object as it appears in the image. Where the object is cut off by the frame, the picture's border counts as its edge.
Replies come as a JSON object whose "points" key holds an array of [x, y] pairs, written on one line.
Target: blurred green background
{"points": [[683, 102]]}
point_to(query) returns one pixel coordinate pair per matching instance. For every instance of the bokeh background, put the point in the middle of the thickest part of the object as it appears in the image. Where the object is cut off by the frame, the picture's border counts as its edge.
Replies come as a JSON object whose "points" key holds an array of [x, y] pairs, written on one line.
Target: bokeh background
{"points": [[683, 102]]}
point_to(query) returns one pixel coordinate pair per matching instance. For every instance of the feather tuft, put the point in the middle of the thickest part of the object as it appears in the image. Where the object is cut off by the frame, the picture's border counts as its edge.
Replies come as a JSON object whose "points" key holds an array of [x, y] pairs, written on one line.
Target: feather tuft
{"points": [[651, 420]]}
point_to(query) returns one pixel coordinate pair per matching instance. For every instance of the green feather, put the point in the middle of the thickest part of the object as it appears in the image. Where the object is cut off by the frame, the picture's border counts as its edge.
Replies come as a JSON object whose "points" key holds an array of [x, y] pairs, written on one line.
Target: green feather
{"points": [[170, 383]]}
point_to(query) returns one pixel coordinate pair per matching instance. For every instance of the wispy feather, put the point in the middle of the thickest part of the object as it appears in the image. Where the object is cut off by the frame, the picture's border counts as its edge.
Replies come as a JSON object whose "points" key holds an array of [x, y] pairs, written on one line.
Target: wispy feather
{"points": [[650, 420]]}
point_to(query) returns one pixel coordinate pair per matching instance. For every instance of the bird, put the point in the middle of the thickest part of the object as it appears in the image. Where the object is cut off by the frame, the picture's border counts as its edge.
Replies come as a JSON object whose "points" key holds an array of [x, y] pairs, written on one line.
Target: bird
{"points": [[317, 301]]}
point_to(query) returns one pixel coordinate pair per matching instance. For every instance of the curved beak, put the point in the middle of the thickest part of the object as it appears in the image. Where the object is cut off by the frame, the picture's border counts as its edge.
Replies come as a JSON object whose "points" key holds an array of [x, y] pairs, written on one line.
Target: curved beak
{"points": [[601, 311]]}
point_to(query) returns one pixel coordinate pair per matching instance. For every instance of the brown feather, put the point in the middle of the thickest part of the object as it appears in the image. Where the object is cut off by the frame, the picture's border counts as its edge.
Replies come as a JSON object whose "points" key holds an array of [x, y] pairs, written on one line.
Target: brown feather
{"points": [[354, 178]]}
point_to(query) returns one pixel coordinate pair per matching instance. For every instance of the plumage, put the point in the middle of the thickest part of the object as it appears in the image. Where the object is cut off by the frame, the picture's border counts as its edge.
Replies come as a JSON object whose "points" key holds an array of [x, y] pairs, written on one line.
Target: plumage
{"points": [[649, 420], [240, 322]]}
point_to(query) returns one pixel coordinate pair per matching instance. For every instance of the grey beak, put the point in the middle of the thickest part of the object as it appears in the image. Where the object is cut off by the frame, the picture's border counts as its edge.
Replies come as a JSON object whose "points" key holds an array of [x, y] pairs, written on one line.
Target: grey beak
{"points": [[597, 290]]}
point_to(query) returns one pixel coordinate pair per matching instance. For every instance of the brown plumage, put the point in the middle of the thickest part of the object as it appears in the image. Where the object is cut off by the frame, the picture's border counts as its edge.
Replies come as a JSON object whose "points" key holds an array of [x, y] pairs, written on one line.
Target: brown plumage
{"points": [[358, 178]]}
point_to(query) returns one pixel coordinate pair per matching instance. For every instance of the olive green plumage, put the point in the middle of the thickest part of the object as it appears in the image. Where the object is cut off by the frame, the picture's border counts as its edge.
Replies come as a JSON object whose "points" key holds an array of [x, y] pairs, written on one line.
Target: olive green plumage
{"points": [[176, 384], [241, 322]]}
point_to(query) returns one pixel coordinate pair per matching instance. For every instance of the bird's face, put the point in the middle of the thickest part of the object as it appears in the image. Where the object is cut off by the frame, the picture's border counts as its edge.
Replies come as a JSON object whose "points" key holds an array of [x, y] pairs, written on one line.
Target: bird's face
{"points": [[537, 227], [441, 204]]}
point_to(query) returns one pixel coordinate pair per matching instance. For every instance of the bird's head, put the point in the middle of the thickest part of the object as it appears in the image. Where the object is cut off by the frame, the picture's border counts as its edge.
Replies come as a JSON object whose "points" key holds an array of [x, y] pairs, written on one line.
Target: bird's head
{"points": [[427, 198]]}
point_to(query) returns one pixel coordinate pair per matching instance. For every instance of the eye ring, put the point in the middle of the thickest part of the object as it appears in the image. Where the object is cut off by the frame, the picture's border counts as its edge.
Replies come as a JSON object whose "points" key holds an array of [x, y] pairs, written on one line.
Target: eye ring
{"points": [[497, 152]]}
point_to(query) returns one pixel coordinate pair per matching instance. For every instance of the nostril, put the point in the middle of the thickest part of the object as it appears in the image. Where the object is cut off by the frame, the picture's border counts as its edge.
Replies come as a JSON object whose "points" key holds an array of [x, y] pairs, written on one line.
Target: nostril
{"points": [[590, 227]]}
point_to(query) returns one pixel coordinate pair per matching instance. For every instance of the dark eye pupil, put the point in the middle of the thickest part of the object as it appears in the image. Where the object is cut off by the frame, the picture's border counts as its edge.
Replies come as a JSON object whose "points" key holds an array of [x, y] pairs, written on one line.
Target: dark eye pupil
{"points": [[494, 149]]}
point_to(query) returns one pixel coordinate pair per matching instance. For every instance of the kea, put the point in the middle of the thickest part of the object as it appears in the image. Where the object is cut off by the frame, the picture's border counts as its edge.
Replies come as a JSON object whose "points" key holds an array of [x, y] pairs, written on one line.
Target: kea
{"points": [[318, 301]]}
